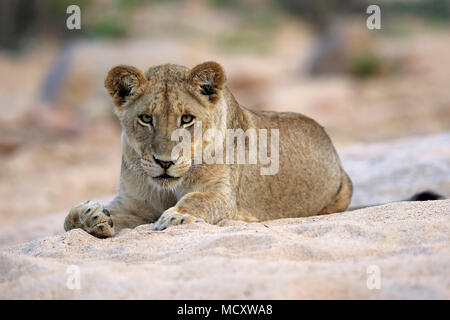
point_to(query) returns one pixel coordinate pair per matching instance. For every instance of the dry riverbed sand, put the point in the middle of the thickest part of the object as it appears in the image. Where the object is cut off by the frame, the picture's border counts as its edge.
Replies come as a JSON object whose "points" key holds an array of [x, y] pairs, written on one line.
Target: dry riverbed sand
{"points": [[329, 256]]}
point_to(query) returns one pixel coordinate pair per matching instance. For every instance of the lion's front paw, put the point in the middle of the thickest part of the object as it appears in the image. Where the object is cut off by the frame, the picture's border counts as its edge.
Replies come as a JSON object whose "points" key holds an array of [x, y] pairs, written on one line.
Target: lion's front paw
{"points": [[91, 217], [172, 217]]}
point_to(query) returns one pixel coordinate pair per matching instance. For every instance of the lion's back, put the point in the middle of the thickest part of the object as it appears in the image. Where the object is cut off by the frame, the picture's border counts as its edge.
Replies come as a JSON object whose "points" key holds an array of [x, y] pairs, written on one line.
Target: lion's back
{"points": [[309, 171]]}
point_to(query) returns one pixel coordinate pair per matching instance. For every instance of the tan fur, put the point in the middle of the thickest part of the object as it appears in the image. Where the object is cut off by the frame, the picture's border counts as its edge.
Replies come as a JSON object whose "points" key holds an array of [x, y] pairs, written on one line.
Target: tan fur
{"points": [[310, 179]]}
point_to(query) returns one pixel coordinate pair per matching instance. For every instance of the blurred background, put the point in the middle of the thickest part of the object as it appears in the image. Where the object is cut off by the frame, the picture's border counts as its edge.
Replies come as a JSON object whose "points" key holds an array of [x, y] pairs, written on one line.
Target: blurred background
{"points": [[59, 139]]}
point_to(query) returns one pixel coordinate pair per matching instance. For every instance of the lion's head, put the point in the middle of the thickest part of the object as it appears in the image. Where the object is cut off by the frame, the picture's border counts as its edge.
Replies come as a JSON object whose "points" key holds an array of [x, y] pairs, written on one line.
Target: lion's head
{"points": [[151, 106]]}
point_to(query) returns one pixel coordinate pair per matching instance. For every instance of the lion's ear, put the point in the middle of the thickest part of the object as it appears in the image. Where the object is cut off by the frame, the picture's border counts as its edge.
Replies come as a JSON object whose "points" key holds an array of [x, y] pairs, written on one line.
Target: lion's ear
{"points": [[124, 82], [208, 79]]}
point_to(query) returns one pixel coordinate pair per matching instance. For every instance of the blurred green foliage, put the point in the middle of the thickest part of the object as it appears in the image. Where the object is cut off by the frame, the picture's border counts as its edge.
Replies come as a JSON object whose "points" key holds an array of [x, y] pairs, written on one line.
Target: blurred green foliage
{"points": [[434, 10], [257, 26], [365, 64], [108, 26], [225, 3], [22, 20], [243, 42], [319, 13], [112, 24]]}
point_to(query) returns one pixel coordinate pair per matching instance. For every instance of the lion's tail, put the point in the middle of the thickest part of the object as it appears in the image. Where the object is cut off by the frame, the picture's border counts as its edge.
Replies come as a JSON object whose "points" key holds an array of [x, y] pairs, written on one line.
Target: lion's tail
{"points": [[421, 196]]}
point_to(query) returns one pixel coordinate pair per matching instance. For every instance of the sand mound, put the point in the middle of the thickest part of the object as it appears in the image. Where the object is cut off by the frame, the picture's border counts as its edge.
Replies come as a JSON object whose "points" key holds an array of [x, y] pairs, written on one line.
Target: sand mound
{"points": [[318, 257]]}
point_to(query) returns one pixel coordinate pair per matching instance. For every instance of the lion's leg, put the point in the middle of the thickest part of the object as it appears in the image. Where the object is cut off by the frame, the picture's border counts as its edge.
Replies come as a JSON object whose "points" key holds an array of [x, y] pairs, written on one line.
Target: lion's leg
{"points": [[92, 217], [343, 197], [101, 221], [210, 207]]}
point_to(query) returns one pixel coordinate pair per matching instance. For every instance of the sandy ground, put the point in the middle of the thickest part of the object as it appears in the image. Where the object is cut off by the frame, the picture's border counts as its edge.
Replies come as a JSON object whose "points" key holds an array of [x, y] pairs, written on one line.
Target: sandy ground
{"points": [[330, 257]]}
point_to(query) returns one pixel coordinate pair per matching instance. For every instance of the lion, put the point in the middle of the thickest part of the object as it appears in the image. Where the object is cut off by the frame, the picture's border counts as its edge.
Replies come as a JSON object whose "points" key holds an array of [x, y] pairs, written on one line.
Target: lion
{"points": [[157, 187]]}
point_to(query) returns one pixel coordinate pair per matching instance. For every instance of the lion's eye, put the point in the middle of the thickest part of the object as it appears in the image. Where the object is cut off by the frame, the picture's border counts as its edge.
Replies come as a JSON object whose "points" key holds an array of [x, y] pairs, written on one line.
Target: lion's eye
{"points": [[186, 119], [145, 119]]}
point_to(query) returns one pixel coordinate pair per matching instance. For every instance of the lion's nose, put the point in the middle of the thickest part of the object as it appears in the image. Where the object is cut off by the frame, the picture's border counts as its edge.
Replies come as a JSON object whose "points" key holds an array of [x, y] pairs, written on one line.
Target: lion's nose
{"points": [[163, 164]]}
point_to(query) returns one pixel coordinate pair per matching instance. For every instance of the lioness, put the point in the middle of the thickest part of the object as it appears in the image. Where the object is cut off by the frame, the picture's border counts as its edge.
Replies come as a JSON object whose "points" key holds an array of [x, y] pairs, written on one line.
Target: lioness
{"points": [[156, 187]]}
